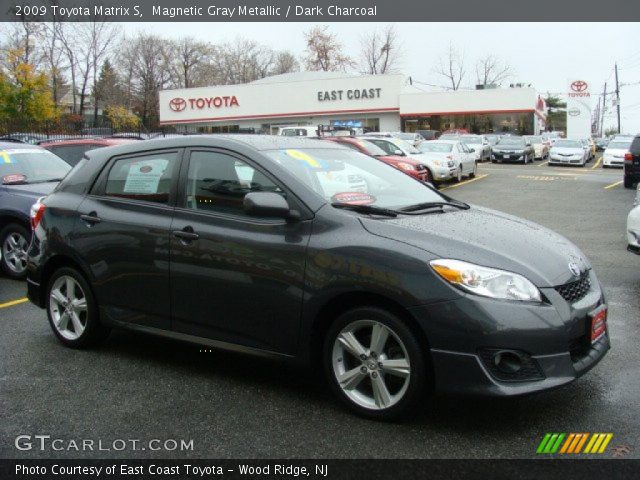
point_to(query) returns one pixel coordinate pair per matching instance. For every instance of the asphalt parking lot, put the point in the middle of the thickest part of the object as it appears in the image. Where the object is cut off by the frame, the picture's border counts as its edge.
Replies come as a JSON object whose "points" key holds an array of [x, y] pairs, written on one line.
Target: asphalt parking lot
{"points": [[137, 387]]}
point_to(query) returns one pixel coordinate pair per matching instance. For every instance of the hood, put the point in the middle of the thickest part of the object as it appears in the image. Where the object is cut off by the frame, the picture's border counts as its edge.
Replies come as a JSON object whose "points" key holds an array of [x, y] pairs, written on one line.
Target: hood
{"points": [[34, 190], [568, 151], [488, 238], [508, 148], [395, 158]]}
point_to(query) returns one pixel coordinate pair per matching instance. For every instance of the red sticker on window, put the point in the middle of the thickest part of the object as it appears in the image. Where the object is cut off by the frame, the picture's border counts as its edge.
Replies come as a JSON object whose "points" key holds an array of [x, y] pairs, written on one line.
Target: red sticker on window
{"points": [[353, 198], [14, 178]]}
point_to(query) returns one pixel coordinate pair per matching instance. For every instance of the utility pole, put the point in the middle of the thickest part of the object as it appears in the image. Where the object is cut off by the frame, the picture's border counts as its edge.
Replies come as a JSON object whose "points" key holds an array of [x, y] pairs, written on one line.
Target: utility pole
{"points": [[604, 109], [618, 97]]}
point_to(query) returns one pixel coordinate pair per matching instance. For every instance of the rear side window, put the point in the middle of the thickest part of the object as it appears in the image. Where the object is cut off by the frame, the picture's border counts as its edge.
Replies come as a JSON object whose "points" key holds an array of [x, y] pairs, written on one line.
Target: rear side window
{"points": [[147, 178], [635, 146]]}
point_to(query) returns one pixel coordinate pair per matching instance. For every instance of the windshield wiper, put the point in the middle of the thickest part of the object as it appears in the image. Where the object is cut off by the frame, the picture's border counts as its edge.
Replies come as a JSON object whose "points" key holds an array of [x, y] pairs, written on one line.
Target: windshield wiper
{"points": [[429, 205], [49, 180], [366, 209]]}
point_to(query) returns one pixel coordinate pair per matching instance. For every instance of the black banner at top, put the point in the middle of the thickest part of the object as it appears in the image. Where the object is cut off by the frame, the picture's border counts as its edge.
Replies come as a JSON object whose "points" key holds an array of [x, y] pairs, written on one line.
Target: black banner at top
{"points": [[326, 11]]}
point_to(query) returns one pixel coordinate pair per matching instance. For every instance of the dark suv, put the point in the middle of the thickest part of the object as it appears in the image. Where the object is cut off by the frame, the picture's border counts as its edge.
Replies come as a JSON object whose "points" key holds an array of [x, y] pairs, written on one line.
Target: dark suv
{"points": [[27, 172], [632, 164], [265, 245]]}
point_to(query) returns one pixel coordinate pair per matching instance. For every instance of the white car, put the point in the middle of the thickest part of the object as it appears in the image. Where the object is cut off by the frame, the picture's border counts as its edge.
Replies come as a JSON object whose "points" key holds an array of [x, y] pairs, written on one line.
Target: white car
{"points": [[441, 169], [413, 138], [299, 131], [480, 144], [443, 150], [540, 146], [613, 155], [633, 226], [568, 152]]}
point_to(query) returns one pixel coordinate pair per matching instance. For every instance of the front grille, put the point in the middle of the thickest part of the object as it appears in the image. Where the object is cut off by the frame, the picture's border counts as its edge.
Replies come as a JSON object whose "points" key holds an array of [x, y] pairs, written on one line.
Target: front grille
{"points": [[574, 291]]}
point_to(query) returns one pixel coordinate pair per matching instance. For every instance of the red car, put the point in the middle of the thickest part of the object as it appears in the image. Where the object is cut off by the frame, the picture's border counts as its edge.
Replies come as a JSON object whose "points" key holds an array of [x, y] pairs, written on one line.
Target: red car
{"points": [[72, 151], [408, 165]]}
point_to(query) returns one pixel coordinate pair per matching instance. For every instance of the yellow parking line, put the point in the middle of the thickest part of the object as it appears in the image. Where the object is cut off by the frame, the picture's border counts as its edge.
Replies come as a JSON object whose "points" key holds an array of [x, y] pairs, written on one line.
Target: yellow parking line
{"points": [[597, 163], [479, 177], [14, 302], [613, 185], [543, 164]]}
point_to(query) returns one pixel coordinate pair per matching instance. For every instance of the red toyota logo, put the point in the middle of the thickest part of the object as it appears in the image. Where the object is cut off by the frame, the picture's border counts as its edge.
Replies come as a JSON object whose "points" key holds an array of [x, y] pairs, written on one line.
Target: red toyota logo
{"points": [[579, 86], [178, 104]]}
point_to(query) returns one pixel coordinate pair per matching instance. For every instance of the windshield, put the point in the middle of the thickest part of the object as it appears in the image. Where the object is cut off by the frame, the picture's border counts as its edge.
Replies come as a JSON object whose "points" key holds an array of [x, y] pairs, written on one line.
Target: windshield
{"points": [[567, 144], [31, 165], [620, 145], [350, 177], [436, 147], [405, 136], [471, 139], [511, 141], [535, 139], [390, 145], [371, 148]]}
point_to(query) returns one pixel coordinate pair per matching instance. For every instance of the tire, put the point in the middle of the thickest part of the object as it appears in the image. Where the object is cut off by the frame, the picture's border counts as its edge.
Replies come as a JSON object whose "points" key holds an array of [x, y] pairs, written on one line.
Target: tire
{"points": [[63, 305], [628, 182], [402, 391], [459, 174], [14, 244], [475, 170]]}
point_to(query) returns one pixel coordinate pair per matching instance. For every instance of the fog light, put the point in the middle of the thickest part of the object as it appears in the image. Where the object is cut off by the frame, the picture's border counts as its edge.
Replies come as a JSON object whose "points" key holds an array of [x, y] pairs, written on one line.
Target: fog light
{"points": [[507, 362]]}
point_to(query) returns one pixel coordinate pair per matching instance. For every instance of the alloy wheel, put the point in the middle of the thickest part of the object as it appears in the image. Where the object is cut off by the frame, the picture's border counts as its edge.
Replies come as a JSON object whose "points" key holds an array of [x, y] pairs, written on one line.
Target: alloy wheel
{"points": [[14, 252], [371, 364], [68, 307]]}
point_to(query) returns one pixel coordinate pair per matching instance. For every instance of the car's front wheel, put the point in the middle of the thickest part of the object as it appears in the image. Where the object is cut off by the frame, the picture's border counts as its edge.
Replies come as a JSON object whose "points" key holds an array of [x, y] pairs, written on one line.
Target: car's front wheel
{"points": [[14, 242], [72, 310], [374, 363]]}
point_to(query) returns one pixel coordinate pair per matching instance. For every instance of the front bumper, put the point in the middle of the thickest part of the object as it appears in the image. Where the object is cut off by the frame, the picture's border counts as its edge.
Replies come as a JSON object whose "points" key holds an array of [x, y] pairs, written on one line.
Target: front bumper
{"points": [[553, 337], [566, 160], [613, 161], [443, 173], [515, 157]]}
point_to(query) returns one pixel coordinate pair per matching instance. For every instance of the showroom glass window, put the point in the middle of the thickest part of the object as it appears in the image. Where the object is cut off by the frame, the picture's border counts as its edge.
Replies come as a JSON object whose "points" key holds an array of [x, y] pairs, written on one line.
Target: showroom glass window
{"points": [[146, 178], [218, 182]]}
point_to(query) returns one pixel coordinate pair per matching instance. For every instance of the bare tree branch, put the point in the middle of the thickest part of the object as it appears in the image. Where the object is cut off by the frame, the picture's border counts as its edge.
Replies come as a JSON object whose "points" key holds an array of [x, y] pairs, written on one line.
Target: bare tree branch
{"points": [[380, 51], [491, 71]]}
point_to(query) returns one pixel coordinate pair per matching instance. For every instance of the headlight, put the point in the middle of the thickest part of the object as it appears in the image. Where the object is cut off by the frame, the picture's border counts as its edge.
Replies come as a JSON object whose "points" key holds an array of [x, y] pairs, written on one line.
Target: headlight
{"points": [[488, 282], [406, 166]]}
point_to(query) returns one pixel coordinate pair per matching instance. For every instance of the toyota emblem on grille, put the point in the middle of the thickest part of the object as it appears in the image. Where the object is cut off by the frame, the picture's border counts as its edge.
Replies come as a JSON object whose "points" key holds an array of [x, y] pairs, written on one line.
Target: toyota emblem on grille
{"points": [[574, 268]]}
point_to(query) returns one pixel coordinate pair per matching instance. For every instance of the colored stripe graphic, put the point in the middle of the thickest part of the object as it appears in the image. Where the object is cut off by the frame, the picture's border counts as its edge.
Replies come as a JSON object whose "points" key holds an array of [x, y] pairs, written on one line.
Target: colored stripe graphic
{"points": [[573, 443]]}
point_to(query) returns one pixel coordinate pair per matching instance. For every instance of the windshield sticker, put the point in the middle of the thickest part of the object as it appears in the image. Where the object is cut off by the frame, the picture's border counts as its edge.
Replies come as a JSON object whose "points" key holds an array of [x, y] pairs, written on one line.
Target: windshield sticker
{"points": [[13, 178], [144, 176], [304, 157], [353, 198], [5, 157]]}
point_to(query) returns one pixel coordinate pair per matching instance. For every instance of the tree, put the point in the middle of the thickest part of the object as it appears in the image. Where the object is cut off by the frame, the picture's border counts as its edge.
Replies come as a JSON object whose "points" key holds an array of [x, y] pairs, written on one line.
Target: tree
{"points": [[324, 52], [285, 62], [189, 60], [107, 89], [380, 51], [25, 94], [452, 68], [121, 119], [491, 71], [556, 114]]}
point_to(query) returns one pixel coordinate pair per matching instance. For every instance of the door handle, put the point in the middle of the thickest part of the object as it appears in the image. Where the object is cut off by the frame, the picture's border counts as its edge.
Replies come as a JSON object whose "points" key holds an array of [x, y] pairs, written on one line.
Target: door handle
{"points": [[186, 234], [91, 218]]}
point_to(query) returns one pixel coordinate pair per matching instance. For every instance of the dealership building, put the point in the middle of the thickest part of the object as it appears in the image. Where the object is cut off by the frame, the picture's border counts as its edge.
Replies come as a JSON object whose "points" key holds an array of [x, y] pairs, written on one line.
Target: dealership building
{"points": [[368, 102]]}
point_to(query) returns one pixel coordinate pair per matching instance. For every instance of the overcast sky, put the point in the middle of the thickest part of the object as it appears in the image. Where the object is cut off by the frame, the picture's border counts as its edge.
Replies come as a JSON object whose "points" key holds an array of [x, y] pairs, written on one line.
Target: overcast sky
{"points": [[545, 55]]}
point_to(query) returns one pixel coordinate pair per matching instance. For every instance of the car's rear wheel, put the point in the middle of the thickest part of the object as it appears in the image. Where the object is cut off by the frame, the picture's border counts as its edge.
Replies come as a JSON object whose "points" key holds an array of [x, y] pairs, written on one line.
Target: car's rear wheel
{"points": [[14, 242], [374, 363], [72, 310]]}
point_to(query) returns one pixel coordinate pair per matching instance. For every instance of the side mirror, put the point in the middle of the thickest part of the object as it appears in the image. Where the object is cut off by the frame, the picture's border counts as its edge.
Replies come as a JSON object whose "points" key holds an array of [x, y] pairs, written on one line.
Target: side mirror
{"points": [[399, 153], [472, 150], [266, 204]]}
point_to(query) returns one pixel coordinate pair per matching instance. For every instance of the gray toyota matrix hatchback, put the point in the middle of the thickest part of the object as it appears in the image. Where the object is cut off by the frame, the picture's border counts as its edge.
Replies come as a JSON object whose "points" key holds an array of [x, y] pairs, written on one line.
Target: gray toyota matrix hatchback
{"points": [[304, 249]]}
